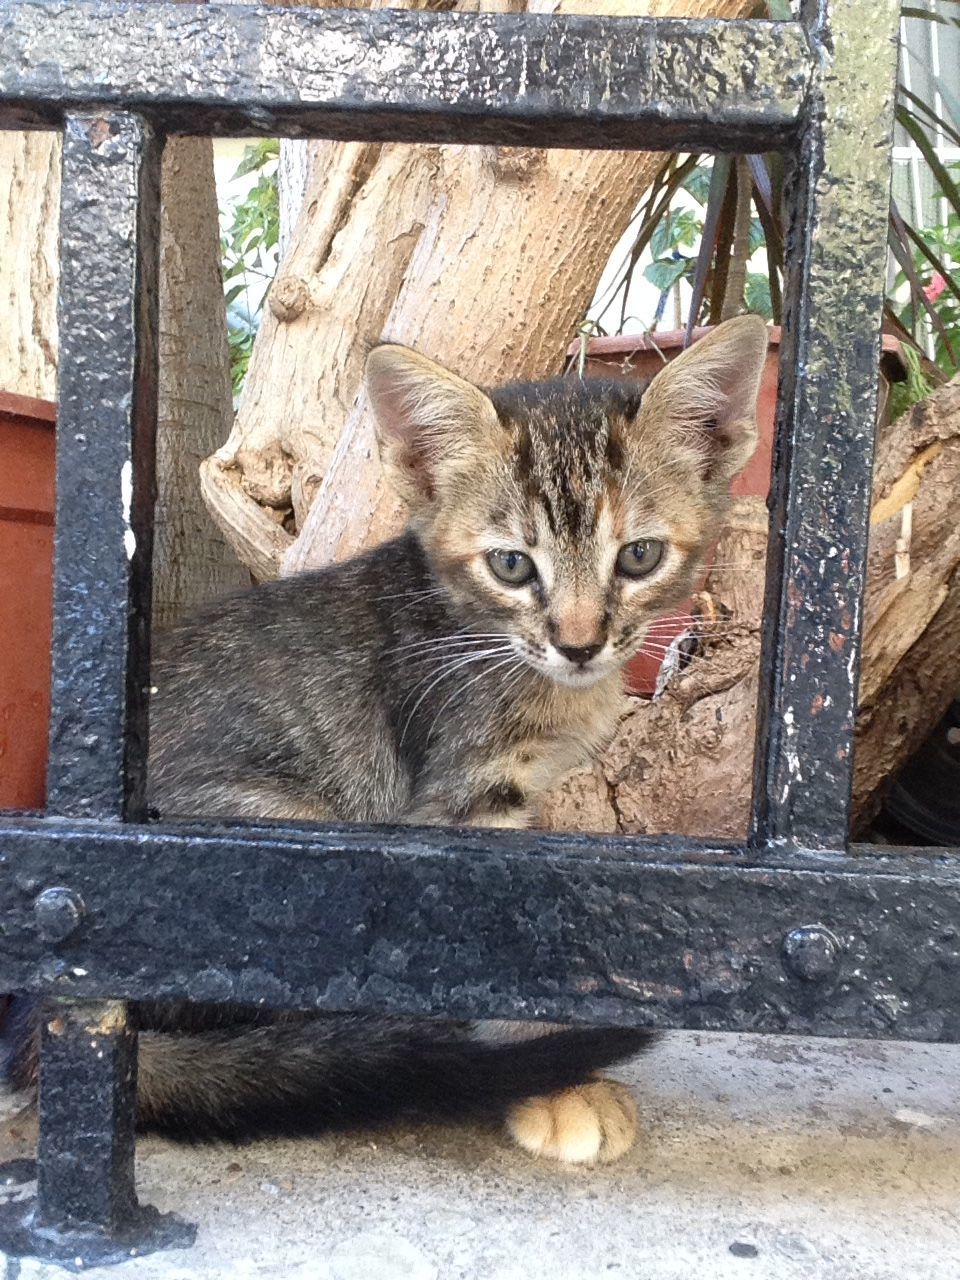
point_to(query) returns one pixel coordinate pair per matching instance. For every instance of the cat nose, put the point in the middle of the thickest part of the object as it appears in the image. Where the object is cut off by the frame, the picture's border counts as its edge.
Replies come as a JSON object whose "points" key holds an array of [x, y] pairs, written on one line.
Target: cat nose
{"points": [[580, 654]]}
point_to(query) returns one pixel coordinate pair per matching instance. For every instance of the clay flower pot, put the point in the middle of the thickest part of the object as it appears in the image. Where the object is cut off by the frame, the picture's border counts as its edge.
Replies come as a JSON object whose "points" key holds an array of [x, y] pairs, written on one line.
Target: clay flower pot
{"points": [[642, 357], [27, 446]]}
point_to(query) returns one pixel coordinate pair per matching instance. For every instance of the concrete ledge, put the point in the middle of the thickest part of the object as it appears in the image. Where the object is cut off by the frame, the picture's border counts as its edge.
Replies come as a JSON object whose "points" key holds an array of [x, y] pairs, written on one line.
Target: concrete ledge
{"points": [[763, 1158]]}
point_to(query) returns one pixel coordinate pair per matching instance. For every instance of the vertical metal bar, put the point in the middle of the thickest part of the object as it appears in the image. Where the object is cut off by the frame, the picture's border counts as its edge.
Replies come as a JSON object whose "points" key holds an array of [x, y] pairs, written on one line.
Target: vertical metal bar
{"points": [[106, 421], [824, 458], [85, 1155]]}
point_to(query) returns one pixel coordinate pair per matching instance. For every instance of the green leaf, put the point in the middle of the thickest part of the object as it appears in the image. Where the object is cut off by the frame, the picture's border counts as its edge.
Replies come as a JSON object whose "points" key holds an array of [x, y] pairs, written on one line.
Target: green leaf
{"points": [[756, 294], [719, 178], [933, 119], [926, 15], [664, 274], [950, 101], [947, 185], [950, 279], [680, 228], [898, 244], [258, 156], [698, 183], [660, 242]]}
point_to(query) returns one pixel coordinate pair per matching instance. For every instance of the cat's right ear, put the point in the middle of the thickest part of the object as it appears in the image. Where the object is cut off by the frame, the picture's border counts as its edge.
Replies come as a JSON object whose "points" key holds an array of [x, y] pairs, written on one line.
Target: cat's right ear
{"points": [[427, 419]]}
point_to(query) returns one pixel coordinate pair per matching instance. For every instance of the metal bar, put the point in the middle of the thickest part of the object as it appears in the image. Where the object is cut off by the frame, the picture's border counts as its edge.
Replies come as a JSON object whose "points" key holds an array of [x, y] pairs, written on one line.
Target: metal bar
{"points": [[523, 79], [106, 419], [88, 1068], [86, 1207], [823, 463], [86, 1212], [470, 924]]}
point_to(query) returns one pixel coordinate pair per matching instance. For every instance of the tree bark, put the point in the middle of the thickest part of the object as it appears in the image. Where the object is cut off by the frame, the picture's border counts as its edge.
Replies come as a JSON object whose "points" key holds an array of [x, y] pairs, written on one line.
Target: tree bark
{"points": [[684, 762], [192, 562], [29, 270], [482, 257]]}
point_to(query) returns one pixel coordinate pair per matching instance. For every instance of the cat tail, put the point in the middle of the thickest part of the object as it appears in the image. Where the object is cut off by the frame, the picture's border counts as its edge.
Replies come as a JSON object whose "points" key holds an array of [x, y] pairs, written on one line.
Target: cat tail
{"points": [[309, 1074]]}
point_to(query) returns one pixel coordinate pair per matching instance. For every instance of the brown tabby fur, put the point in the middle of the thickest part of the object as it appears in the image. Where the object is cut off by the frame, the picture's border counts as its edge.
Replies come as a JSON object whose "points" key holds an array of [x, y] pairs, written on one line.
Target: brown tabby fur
{"points": [[411, 684]]}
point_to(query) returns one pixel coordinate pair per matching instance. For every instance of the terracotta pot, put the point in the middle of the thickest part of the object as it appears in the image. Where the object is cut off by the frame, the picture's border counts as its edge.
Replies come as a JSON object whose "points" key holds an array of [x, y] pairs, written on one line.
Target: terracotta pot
{"points": [[643, 356], [27, 445]]}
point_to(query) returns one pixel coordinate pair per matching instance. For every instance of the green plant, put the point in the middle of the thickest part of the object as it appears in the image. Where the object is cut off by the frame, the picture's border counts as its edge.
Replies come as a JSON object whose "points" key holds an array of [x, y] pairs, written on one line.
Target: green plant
{"points": [[740, 210], [914, 388], [931, 271], [248, 253]]}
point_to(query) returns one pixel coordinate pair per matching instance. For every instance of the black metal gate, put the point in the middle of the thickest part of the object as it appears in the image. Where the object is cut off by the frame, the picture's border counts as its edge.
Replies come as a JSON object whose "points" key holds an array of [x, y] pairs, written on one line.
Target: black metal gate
{"points": [[791, 932]]}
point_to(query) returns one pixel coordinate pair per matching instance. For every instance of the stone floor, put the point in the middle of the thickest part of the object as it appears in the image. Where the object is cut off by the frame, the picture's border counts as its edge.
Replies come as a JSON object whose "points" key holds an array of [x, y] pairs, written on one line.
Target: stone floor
{"points": [[761, 1159]]}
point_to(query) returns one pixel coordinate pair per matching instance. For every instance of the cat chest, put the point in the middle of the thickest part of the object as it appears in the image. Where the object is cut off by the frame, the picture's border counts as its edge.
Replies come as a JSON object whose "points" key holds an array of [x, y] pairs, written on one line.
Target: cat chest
{"points": [[540, 759]]}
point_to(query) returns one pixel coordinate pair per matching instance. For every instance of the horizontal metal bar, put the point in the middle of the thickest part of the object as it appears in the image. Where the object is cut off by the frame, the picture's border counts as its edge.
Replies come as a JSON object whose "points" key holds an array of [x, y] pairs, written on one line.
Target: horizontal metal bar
{"points": [[106, 407], [523, 79], [462, 923]]}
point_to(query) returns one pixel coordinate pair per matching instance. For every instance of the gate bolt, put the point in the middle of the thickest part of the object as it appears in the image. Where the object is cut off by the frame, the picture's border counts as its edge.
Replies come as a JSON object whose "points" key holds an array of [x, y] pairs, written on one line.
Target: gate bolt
{"points": [[811, 952], [58, 913]]}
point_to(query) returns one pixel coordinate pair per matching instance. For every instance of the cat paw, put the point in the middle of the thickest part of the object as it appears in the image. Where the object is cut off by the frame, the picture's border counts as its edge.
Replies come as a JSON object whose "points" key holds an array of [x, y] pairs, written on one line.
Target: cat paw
{"points": [[591, 1124]]}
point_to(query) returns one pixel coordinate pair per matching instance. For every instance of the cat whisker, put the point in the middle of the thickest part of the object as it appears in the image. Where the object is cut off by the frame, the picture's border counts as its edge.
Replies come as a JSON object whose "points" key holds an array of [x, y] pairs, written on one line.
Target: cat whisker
{"points": [[451, 667], [440, 652], [412, 595], [448, 641], [736, 567], [702, 628], [461, 690]]}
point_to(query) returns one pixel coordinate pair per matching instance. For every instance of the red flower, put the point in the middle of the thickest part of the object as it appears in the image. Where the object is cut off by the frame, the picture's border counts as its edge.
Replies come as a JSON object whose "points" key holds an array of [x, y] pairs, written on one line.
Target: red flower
{"points": [[936, 286]]}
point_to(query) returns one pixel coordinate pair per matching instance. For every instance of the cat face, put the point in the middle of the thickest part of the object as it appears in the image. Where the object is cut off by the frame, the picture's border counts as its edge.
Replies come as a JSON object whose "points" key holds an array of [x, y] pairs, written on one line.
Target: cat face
{"points": [[568, 515]]}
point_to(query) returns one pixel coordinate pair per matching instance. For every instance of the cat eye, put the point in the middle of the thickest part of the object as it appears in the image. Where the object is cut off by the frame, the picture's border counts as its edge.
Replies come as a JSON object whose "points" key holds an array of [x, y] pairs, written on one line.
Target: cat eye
{"points": [[639, 558], [515, 568]]}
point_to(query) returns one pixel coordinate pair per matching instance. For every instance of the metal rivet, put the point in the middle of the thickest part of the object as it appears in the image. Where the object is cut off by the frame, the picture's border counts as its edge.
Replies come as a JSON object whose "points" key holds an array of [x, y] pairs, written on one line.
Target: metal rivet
{"points": [[58, 913], [811, 952]]}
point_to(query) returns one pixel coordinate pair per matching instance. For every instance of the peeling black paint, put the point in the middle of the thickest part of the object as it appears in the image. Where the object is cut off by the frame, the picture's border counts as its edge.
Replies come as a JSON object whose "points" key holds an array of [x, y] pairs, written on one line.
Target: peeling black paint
{"points": [[521, 79], [838, 196], [106, 423], [499, 924]]}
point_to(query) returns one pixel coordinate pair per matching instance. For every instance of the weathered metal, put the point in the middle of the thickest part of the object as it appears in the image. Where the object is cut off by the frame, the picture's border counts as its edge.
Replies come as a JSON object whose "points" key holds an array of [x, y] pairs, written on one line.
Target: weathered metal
{"points": [[86, 1209], [106, 421], [106, 417], [507, 925], [525, 79], [839, 196], [791, 934]]}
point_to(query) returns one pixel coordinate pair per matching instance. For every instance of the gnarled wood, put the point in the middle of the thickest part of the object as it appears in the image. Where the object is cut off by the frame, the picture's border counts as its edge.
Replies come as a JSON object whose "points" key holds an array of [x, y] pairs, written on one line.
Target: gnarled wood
{"points": [[484, 258], [29, 270], [683, 763]]}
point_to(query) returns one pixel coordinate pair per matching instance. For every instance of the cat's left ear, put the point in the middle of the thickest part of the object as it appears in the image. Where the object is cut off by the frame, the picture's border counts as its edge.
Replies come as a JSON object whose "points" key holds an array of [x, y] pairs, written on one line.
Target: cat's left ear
{"points": [[708, 395], [428, 419]]}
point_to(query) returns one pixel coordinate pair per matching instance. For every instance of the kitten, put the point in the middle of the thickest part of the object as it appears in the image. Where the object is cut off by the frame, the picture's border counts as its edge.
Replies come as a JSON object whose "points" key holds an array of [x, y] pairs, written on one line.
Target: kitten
{"points": [[449, 676]]}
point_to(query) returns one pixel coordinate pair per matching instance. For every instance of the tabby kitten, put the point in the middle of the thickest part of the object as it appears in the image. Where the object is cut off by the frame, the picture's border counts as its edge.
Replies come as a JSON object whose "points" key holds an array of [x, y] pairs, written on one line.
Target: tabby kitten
{"points": [[449, 676]]}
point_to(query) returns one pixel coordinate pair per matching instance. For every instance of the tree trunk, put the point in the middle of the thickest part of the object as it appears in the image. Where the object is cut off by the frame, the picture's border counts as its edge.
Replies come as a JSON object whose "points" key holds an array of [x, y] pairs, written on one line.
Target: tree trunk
{"points": [[192, 562], [29, 269], [482, 257], [684, 762]]}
